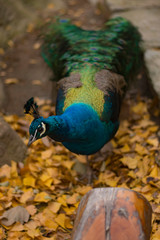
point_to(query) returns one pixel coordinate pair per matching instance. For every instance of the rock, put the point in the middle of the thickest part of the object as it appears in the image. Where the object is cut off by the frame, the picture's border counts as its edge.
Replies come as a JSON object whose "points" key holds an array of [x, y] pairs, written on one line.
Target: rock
{"points": [[123, 5], [11, 145], [2, 96], [147, 21], [152, 59]]}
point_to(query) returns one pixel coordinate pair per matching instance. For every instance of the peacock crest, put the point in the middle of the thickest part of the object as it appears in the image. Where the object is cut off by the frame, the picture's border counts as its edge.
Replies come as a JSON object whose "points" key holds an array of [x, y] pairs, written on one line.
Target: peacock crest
{"points": [[31, 108]]}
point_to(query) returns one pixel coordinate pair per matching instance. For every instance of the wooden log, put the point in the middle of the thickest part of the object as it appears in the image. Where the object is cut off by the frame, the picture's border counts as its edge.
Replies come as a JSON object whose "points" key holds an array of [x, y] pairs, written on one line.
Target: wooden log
{"points": [[113, 214]]}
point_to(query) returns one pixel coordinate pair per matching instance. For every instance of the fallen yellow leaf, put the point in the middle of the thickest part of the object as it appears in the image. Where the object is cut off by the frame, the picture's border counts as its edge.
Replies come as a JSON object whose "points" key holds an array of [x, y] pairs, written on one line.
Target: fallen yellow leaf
{"points": [[83, 190], [51, 224], [68, 164], [46, 154], [153, 142], [140, 149], [54, 206], [154, 172], [32, 224], [130, 162], [49, 182], [60, 220], [62, 201], [14, 171], [69, 210], [17, 227], [68, 223], [29, 181], [73, 199], [33, 233], [140, 108], [125, 148], [42, 197], [44, 177]]}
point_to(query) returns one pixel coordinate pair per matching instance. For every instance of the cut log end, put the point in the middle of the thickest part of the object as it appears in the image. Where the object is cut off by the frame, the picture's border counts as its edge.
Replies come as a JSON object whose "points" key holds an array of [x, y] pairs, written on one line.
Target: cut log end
{"points": [[111, 214]]}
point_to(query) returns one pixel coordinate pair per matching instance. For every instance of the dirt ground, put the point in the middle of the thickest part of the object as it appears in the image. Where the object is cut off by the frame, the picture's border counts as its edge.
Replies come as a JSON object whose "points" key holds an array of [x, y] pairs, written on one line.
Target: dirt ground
{"points": [[23, 60]]}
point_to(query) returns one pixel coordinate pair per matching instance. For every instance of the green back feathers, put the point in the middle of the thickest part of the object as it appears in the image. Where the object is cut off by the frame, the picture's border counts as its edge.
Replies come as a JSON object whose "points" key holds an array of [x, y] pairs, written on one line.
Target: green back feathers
{"points": [[68, 48]]}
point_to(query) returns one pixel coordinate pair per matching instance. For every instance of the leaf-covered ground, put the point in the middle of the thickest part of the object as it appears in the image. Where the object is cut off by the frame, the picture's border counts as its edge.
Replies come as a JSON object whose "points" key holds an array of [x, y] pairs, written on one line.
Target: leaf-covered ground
{"points": [[39, 198], [48, 188]]}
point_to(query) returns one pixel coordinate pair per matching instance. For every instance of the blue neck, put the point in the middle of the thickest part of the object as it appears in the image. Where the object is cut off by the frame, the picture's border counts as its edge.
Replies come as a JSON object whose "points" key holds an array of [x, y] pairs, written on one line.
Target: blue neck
{"points": [[80, 129], [72, 124]]}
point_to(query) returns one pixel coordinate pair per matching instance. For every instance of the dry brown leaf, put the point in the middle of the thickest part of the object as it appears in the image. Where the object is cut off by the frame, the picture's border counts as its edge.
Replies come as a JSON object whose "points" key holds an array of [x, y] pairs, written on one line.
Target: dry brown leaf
{"points": [[33, 61], [10, 43], [36, 82], [5, 171], [3, 74], [2, 52], [37, 45], [16, 214], [26, 196], [11, 81], [30, 27], [50, 6], [47, 154], [81, 158], [31, 209], [46, 142]]}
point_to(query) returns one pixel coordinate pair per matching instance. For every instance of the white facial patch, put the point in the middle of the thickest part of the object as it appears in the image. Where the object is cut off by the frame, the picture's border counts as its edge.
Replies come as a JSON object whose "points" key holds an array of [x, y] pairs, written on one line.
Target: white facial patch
{"points": [[44, 129]]}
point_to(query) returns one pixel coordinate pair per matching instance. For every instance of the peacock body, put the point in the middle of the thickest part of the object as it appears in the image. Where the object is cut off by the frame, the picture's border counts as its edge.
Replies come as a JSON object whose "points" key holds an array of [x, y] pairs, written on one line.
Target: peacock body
{"points": [[92, 69]]}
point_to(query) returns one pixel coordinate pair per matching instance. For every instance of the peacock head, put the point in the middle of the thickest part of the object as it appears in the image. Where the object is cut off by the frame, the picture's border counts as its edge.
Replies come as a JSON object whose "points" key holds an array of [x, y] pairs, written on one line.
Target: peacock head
{"points": [[37, 130], [38, 127]]}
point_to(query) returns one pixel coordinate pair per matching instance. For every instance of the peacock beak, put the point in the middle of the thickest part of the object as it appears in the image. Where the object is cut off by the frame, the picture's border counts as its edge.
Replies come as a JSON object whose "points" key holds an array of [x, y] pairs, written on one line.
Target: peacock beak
{"points": [[31, 140]]}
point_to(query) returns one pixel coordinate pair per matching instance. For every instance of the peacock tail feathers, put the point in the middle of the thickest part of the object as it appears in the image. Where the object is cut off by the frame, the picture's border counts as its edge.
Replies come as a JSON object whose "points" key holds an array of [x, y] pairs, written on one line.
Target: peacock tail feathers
{"points": [[68, 48], [94, 66]]}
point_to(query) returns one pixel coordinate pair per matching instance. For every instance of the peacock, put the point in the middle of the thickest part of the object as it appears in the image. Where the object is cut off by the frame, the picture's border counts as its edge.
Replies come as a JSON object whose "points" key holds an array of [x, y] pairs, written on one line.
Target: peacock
{"points": [[92, 70]]}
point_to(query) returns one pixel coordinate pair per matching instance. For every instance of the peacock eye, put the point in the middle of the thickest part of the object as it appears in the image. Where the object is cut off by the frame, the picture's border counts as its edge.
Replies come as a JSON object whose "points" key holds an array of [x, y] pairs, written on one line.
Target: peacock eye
{"points": [[40, 129]]}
